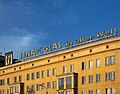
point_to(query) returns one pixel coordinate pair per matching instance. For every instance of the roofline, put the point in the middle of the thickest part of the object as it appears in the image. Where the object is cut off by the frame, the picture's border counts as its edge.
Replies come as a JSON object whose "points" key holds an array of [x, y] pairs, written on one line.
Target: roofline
{"points": [[66, 51]]}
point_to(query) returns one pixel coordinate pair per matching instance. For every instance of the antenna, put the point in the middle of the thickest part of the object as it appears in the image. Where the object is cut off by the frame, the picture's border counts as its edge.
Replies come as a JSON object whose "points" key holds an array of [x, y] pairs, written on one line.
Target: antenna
{"points": [[0, 53], [4, 50]]}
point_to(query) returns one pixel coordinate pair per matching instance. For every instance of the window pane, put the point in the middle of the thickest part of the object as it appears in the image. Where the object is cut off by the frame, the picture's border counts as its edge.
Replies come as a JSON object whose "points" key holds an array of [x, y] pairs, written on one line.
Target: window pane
{"points": [[107, 76], [112, 75], [61, 83], [48, 73], [37, 87], [97, 91], [91, 64], [83, 65], [54, 84], [16, 89], [20, 78], [43, 86], [71, 68], [112, 60], [90, 91], [68, 82], [15, 79], [97, 62], [48, 85], [64, 69], [54, 71], [28, 76], [113, 91], [33, 88], [107, 61], [37, 74], [68, 92], [60, 92], [97, 77], [90, 78], [43, 73], [33, 75], [83, 92], [8, 80], [83, 80]]}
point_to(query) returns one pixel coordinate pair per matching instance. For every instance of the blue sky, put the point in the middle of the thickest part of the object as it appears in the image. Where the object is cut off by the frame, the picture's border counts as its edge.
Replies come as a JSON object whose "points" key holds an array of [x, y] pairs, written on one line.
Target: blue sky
{"points": [[29, 24]]}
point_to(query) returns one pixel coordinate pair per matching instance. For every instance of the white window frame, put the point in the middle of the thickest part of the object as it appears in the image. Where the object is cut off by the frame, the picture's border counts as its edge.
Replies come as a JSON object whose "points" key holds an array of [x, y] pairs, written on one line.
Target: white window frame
{"points": [[91, 64], [97, 63], [72, 68]]}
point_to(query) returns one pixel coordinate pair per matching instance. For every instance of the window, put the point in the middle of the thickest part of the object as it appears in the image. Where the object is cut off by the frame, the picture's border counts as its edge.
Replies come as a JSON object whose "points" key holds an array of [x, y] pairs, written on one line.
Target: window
{"points": [[110, 60], [83, 80], [32, 88], [64, 56], [97, 63], [68, 92], [60, 92], [43, 74], [28, 76], [11, 90], [48, 60], [32, 64], [71, 55], [107, 61], [107, 76], [68, 82], [16, 89], [19, 67], [110, 91], [32, 76], [97, 77], [48, 72], [28, 89], [90, 50], [20, 78], [8, 80], [107, 46], [72, 68], [54, 84], [15, 79], [61, 83], [54, 71], [110, 76], [90, 91], [90, 78], [97, 91], [37, 87], [91, 64], [2, 82], [83, 65], [64, 69], [2, 92], [48, 85], [83, 92], [38, 74], [43, 86]]}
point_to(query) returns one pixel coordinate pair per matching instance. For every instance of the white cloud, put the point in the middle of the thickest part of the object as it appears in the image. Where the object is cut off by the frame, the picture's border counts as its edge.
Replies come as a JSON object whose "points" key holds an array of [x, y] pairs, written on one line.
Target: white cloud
{"points": [[21, 40]]}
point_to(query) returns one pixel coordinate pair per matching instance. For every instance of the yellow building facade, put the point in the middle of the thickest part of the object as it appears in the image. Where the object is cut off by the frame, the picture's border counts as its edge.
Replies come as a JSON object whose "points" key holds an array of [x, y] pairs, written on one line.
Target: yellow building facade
{"points": [[93, 68]]}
